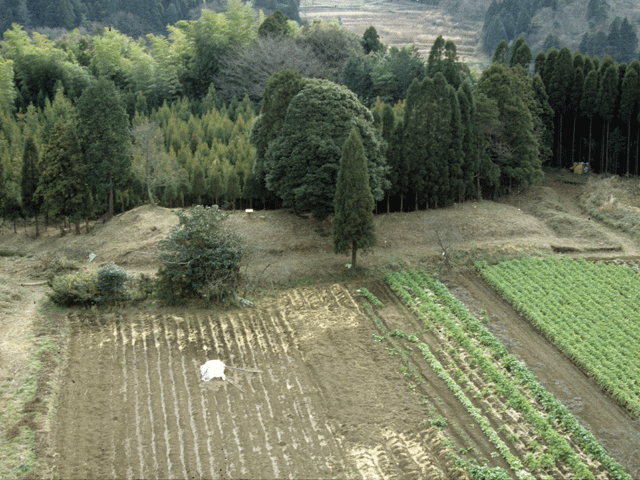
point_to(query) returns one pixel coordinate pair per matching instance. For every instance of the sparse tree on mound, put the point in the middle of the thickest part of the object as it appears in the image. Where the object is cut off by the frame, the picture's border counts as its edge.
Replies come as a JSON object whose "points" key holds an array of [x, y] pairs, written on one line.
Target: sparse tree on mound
{"points": [[353, 225]]}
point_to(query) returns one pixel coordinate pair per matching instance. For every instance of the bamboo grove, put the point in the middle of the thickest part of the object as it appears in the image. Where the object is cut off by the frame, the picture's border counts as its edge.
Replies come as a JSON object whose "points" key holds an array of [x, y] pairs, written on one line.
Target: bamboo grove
{"points": [[91, 123]]}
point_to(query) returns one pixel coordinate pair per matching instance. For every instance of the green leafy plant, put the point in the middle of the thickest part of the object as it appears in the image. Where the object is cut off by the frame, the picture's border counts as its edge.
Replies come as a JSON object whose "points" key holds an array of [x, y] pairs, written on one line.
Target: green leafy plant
{"points": [[200, 257]]}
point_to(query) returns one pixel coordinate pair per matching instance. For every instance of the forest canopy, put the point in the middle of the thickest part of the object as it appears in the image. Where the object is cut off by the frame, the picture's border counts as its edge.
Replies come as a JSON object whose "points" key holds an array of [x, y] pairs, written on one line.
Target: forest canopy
{"points": [[239, 109]]}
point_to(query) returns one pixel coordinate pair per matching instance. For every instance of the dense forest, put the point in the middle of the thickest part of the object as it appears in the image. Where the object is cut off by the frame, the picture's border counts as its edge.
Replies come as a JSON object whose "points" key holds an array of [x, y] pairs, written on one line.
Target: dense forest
{"points": [[245, 110], [594, 27], [133, 17]]}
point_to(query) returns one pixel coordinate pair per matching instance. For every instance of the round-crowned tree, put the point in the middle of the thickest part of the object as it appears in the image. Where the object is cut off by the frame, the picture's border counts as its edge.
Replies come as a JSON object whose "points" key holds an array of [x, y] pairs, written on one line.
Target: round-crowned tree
{"points": [[200, 257], [301, 162]]}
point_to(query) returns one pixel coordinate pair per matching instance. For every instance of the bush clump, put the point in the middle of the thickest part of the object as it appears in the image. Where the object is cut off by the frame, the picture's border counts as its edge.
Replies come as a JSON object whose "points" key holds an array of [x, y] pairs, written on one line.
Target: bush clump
{"points": [[105, 286], [200, 257]]}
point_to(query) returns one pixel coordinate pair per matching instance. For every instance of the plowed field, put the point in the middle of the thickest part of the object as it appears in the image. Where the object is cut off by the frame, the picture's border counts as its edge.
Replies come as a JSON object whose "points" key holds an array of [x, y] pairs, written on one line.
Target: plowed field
{"points": [[329, 402]]}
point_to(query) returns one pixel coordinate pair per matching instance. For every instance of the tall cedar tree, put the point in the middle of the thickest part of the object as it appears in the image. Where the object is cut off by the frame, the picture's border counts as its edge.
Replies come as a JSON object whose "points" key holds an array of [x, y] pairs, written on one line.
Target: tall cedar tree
{"points": [[104, 134], [515, 148], [433, 134], [606, 106], [588, 104], [278, 92], [629, 104], [62, 187], [353, 224]]}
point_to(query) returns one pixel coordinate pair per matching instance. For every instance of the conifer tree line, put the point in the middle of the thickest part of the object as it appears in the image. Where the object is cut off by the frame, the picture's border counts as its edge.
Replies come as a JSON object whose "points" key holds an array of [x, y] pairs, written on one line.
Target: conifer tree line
{"points": [[596, 105], [94, 125]]}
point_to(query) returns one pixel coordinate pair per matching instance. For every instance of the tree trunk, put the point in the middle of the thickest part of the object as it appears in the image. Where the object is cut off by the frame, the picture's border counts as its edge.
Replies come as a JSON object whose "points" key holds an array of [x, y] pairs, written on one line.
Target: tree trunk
{"points": [[387, 203], [602, 150], [637, 149], [353, 255], [86, 221], [150, 194], [416, 207], [37, 226], [590, 124], [110, 212], [628, 145], [401, 201], [560, 142], [573, 143]]}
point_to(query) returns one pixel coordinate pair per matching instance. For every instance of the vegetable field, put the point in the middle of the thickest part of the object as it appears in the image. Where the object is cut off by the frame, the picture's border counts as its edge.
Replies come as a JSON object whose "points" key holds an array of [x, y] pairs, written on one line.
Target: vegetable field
{"points": [[534, 433], [591, 311], [384, 382]]}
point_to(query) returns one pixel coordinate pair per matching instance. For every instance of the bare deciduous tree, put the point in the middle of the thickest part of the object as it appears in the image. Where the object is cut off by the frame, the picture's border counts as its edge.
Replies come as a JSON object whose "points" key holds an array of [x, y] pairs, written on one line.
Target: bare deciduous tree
{"points": [[245, 70], [151, 162]]}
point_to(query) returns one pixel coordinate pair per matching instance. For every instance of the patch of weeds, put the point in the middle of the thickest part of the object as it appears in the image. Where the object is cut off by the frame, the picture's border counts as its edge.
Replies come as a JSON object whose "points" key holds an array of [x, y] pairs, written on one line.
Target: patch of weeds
{"points": [[322, 232], [275, 251], [6, 252], [397, 333], [413, 338], [438, 421], [377, 338]]}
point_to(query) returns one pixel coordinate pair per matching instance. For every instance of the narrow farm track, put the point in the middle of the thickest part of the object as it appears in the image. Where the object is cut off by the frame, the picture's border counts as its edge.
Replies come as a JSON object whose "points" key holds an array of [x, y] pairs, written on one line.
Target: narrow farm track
{"points": [[612, 425], [328, 403]]}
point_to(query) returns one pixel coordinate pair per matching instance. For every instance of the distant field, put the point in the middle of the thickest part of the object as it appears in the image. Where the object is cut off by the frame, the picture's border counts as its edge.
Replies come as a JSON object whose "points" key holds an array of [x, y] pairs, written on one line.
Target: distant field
{"points": [[399, 23]]}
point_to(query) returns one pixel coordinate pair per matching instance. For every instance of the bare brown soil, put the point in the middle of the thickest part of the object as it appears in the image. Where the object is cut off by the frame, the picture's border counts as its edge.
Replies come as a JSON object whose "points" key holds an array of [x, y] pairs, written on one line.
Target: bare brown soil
{"points": [[132, 405]]}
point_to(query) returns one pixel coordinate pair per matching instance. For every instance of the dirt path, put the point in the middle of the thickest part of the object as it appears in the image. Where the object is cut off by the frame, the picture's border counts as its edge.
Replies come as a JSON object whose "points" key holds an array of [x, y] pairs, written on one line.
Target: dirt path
{"points": [[612, 425]]}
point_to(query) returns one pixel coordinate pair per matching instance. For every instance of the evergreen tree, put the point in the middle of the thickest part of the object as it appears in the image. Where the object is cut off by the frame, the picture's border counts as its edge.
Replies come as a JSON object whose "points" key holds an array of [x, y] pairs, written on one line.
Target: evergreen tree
{"points": [[29, 182], [443, 58], [433, 136], [62, 186], [520, 54], [606, 106], [470, 137], [494, 33], [628, 41], [515, 148], [502, 53], [371, 41], [559, 89], [276, 24], [353, 223], [232, 191], [104, 134], [630, 104], [545, 115], [588, 105], [575, 97], [278, 92], [301, 163]]}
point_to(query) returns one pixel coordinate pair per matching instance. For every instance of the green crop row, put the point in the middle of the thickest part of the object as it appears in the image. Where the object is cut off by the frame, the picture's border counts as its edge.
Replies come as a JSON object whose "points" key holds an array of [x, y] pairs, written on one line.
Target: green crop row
{"points": [[591, 311], [432, 302]]}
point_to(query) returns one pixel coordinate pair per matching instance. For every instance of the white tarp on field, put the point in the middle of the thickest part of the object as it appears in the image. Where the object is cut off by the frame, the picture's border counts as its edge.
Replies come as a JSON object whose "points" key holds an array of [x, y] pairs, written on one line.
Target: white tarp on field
{"points": [[212, 369]]}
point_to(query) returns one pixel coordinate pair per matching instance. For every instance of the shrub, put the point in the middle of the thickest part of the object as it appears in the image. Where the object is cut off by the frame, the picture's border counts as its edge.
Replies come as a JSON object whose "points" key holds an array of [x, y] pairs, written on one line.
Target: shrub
{"points": [[112, 284], [200, 257], [79, 288], [107, 285]]}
